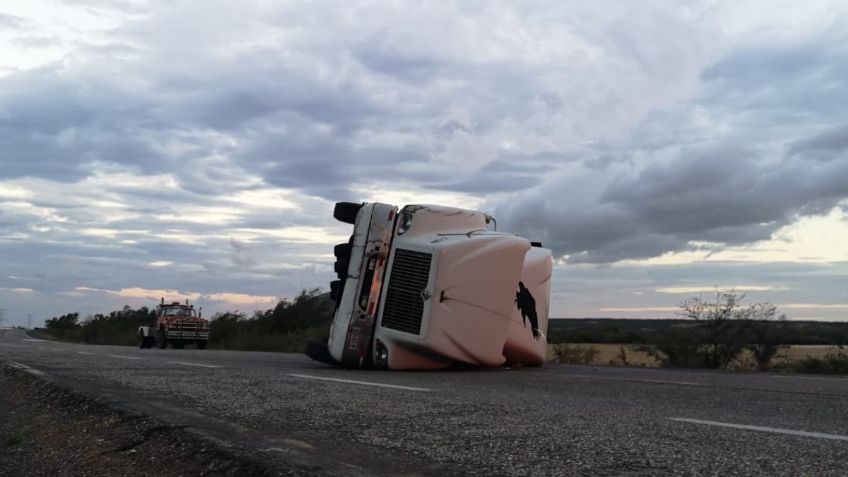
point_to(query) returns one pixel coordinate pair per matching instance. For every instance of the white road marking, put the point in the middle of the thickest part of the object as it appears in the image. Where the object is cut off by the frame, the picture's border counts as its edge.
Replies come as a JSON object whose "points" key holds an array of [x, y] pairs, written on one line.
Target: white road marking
{"points": [[186, 363], [290, 442], [83, 352], [31, 339], [123, 357], [633, 380], [364, 383], [26, 368], [773, 430]]}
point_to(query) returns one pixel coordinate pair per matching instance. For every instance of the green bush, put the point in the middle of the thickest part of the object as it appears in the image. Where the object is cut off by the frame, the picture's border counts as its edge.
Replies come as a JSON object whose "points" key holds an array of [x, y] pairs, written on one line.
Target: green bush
{"points": [[64, 322], [834, 363], [285, 328], [721, 330], [118, 327], [678, 348]]}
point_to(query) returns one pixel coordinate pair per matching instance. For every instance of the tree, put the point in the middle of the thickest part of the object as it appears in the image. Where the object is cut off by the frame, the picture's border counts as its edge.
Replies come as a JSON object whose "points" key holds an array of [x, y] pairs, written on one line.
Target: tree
{"points": [[723, 328], [724, 324], [63, 322], [768, 333]]}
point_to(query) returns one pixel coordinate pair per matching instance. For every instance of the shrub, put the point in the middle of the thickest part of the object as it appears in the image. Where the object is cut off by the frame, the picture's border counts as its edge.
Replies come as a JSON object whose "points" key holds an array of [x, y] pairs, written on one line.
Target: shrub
{"points": [[721, 331], [574, 354], [834, 363], [678, 348]]}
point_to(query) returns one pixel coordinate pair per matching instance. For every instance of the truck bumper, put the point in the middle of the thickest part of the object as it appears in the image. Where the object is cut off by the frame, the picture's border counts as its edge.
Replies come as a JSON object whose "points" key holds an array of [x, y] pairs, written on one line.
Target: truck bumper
{"points": [[187, 335]]}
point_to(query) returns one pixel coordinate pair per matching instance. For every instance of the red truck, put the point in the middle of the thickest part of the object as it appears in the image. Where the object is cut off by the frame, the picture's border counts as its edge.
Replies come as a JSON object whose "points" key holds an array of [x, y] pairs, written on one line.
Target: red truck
{"points": [[176, 324]]}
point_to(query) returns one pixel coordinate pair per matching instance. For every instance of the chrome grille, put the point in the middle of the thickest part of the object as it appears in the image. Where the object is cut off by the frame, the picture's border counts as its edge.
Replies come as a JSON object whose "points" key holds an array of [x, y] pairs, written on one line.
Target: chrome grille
{"points": [[404, 304]]}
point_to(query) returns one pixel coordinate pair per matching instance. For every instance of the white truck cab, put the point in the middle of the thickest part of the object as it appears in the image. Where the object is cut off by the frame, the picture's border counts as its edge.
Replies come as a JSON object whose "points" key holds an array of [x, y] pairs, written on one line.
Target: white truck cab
{"points": [[426, 287]]}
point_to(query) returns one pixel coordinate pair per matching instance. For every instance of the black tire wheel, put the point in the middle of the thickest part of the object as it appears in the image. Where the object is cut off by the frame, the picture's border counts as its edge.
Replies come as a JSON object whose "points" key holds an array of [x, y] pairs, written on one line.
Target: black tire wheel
{"points": [[342, 249], [346, 212], [336, 288], [201, 345], [317, 350], [161, 342], [341, 268]]}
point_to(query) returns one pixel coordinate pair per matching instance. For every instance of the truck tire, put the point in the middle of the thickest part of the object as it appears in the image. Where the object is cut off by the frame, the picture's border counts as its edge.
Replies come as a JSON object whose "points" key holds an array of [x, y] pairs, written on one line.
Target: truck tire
{"points": [[317, 350], [161, 342], [336, 288], [346, 212], [201, 345]]}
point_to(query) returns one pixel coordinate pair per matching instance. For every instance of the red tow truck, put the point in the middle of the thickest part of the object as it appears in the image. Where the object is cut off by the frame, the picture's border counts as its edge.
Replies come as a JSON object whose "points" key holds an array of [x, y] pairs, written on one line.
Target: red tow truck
{"points": [[176, 324]]}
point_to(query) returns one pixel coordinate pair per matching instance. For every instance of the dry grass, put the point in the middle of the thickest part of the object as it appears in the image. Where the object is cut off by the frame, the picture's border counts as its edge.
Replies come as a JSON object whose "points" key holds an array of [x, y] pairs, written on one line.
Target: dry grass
{"points": [[812, 351], [610, 354]]}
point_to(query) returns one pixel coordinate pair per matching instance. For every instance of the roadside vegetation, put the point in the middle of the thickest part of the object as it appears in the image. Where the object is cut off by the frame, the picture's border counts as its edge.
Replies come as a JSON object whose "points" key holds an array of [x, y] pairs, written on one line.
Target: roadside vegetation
{"points": [[285, 327], [719, 332]]}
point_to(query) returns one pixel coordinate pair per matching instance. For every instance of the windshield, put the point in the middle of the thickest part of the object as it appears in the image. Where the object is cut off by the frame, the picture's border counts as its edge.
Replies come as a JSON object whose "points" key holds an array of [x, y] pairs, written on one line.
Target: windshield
{"points": [[177, 311]]}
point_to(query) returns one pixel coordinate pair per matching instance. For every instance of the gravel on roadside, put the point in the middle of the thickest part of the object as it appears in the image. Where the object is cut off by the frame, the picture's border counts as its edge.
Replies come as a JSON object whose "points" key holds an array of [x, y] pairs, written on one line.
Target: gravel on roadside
{"points": [[46, 430]]}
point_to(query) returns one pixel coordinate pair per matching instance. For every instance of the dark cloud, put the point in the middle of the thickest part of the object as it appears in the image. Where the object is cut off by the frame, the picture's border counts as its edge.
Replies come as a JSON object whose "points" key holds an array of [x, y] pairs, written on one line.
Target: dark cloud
{"points": [[831, 144], [497, 177], [726, 195], [789, 80], [721, 185]]}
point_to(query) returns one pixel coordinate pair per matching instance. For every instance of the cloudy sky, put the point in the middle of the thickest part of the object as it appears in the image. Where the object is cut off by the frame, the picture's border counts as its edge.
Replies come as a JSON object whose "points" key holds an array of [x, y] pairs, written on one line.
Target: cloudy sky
{"points": [[194, 149]]}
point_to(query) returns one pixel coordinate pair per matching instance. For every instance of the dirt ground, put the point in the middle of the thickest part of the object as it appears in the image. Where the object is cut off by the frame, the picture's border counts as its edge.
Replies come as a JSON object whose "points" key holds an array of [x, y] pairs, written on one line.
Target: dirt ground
{"points": [[47, 431]]}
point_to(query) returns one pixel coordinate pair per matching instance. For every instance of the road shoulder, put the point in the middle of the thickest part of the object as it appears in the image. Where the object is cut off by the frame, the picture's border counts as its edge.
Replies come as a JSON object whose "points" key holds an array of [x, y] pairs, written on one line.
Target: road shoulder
{"points": [[46, 429]]}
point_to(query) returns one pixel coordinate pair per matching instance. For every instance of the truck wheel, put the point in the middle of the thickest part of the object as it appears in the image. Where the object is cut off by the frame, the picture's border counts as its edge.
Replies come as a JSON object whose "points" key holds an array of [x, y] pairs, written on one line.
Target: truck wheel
{"points": [[346, 212], [317, 350], [161, 342], [201, 345]]}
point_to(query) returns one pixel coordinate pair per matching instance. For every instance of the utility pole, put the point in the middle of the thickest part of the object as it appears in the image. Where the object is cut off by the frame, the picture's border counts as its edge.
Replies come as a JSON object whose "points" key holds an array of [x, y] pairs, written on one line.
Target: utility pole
{"points": [[29, 321], [2, 314]]}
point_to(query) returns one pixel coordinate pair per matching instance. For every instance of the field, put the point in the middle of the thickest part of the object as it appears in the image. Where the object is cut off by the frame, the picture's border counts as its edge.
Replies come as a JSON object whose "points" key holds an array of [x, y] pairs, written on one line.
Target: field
{"points": [[609, 354]]}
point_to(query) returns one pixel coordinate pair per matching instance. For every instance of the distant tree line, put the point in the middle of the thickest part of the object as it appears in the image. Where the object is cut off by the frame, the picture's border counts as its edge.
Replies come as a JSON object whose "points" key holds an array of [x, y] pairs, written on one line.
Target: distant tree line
{"points": [[285, 327], [714, 332], [643, 331], [116, 328]]}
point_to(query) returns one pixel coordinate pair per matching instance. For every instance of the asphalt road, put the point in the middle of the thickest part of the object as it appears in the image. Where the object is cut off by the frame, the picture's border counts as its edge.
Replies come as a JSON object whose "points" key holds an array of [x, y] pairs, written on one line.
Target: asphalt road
{"points": [[555, 420]]}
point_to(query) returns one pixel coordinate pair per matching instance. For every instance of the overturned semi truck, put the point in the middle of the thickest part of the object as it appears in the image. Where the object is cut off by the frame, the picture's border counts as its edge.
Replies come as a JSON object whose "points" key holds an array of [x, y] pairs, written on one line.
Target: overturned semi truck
{"points": [[427, 287]]}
